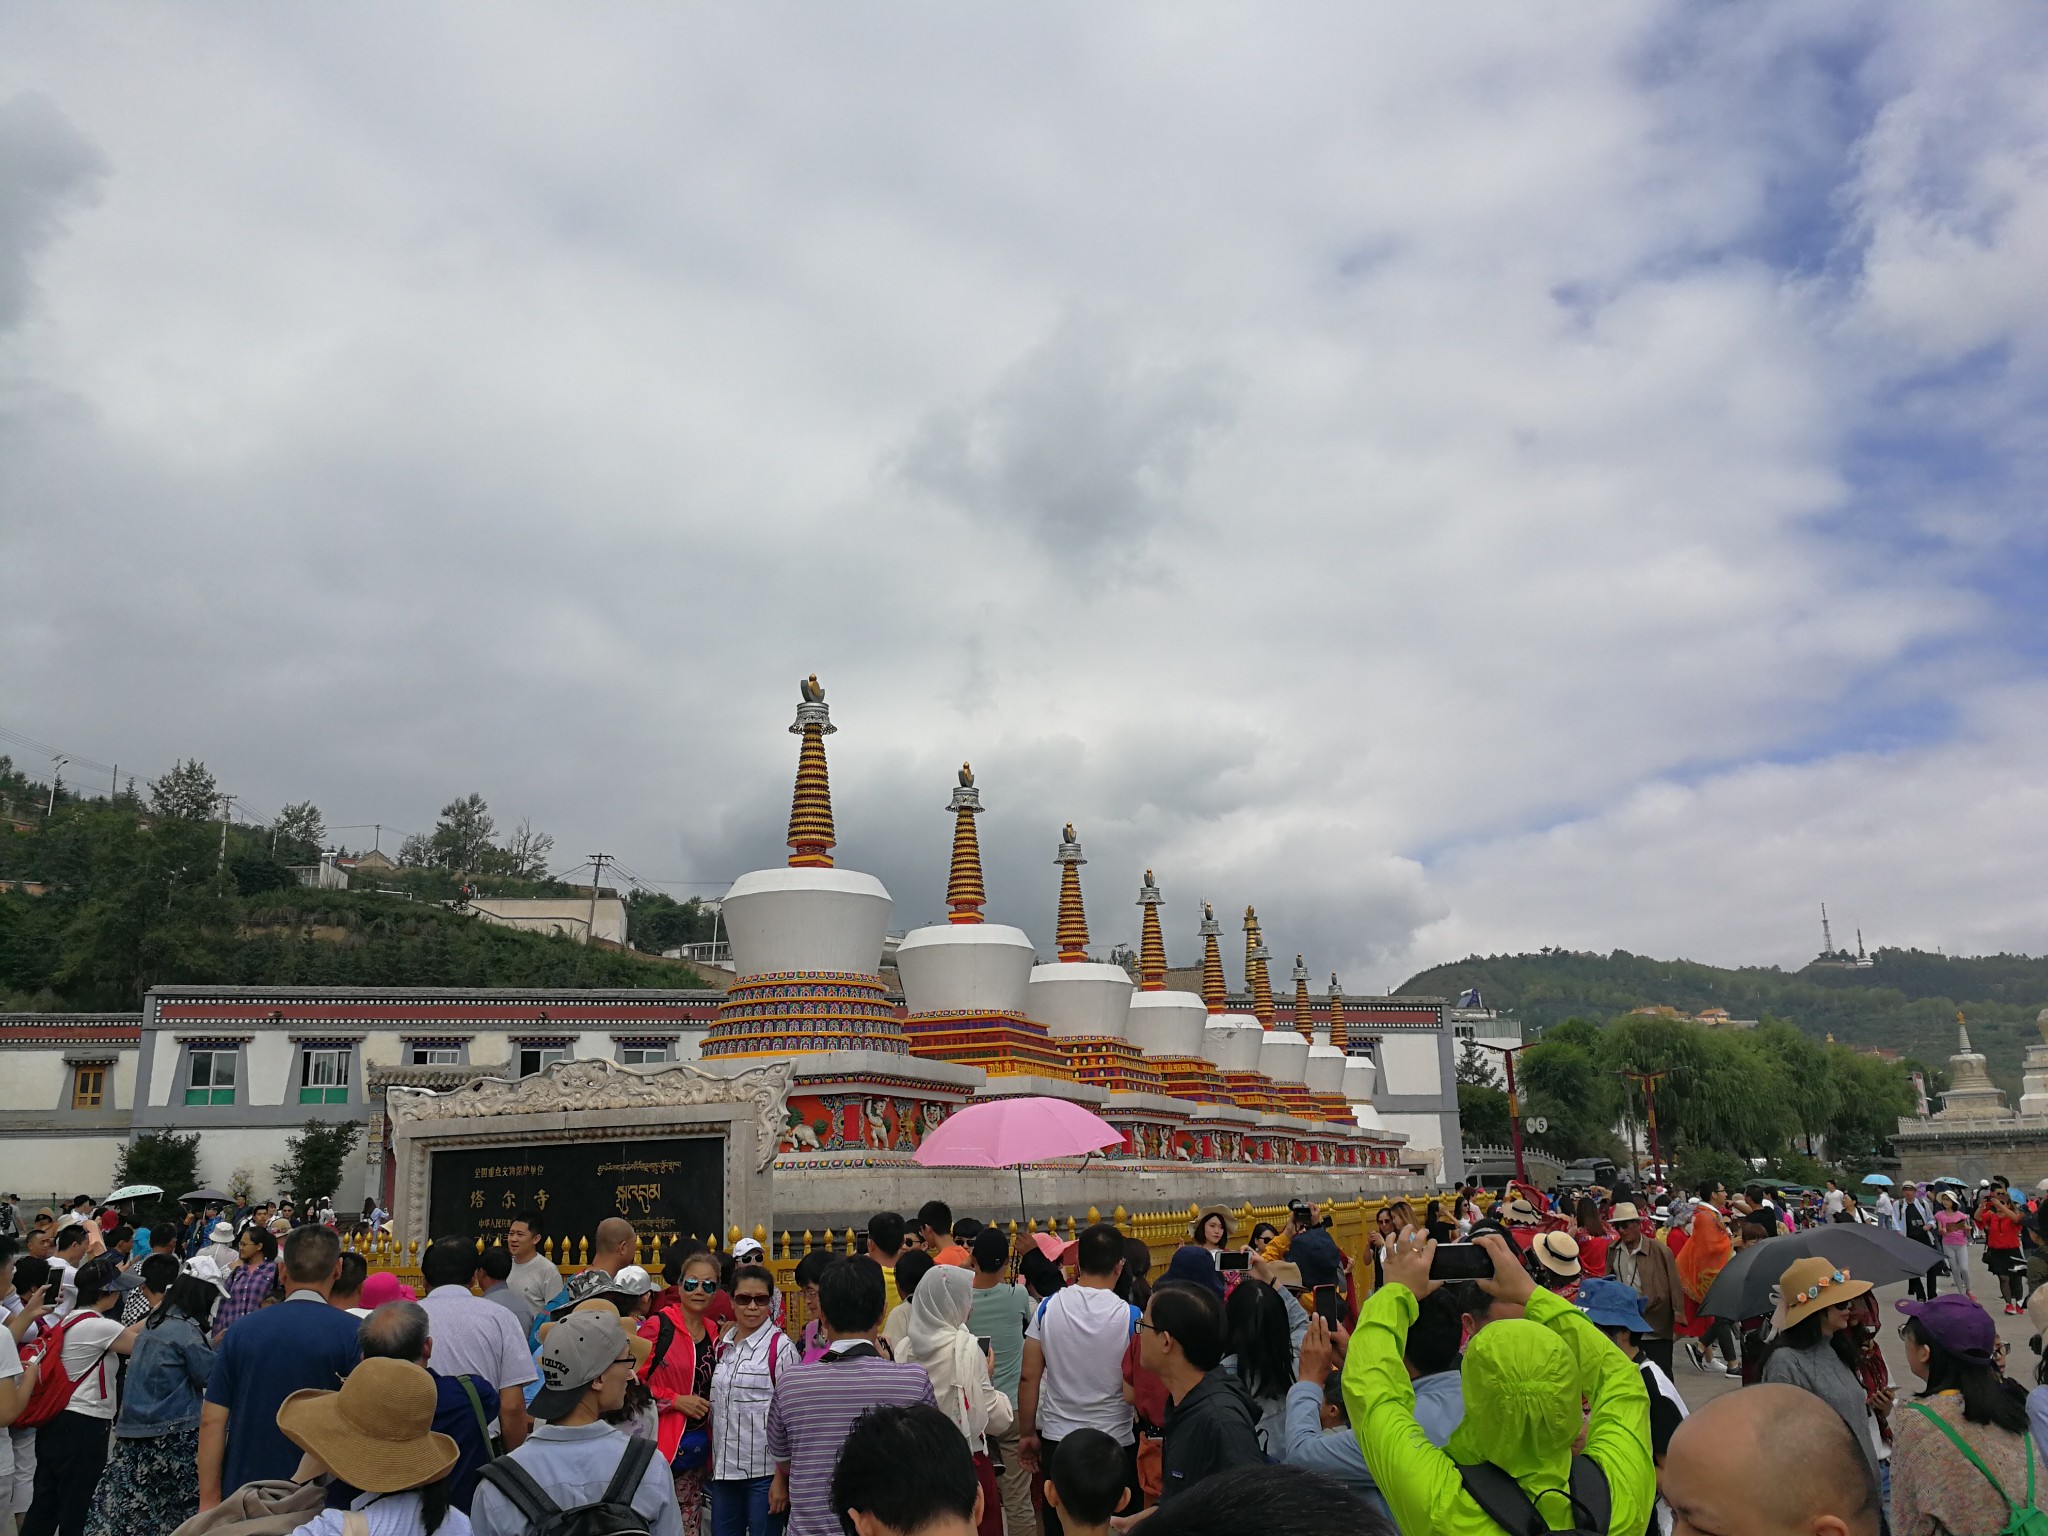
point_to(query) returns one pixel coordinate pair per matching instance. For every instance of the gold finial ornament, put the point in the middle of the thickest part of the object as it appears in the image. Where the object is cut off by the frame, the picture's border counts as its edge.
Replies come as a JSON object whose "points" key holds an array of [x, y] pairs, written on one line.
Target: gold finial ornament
{"points": [[1256, 979], [811, 838], [1152, 945], [964, 892], [1071, 934], [1213, 993], [1339, 1036]]}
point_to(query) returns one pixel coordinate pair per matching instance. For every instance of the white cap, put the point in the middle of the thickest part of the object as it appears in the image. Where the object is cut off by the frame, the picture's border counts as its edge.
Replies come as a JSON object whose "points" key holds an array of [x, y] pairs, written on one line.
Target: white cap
{"points": [[747, 1249], [223, 1232], [632, 1281]]}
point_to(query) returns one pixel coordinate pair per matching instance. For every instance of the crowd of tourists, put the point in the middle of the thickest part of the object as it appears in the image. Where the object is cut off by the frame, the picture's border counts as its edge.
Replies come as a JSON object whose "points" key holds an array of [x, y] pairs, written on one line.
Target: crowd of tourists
{"points": [[1482, 1365]]}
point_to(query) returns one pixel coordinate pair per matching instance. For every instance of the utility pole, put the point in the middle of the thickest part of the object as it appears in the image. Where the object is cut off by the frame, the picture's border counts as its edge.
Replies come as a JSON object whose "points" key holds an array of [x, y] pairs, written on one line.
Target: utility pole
{"points": [[1508, 1053], [1648, 1081], [597, 863], [56, 777], [220, 869]]}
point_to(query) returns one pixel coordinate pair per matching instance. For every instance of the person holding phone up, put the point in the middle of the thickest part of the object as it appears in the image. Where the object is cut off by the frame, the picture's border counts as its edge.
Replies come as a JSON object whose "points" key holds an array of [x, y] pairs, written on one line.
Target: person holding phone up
{"points": [[1522, 1380]]}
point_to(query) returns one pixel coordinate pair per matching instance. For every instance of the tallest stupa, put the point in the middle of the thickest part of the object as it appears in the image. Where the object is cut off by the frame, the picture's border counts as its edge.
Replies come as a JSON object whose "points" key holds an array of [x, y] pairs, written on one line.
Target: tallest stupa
{"points": [[807, 938]]}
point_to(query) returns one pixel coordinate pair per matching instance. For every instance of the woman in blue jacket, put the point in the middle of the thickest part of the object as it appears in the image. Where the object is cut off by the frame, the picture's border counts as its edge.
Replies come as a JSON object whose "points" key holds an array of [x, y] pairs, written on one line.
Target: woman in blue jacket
{"points": [[152, 1479]]}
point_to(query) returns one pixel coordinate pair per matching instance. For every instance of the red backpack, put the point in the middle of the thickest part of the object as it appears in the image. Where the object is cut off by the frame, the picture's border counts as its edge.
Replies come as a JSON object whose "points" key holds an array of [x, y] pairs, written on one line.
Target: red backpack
{"points": [[53, 1389]]}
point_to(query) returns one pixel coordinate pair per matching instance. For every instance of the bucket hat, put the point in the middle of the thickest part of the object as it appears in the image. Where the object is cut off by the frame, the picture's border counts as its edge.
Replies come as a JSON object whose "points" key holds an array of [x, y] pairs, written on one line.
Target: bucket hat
{"points": [[1808, 1285], [377, 1431], [1610, 1304]]}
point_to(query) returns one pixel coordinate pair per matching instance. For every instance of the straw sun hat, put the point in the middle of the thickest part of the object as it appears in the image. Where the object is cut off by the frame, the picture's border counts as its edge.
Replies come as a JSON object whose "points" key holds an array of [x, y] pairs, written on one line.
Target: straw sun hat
{"points": [[1229, 1223], [377, 1432], [1809, 1285]]}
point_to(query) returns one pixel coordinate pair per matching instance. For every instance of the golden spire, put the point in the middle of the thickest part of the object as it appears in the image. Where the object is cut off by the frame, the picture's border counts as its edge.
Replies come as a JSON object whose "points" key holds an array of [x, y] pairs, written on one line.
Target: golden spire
{"points": [[1152, 947], [1256, 979], [1300, 996], [964, 894], [1339, 1037], [1072, 932], [1212, 962], [810, 813]]}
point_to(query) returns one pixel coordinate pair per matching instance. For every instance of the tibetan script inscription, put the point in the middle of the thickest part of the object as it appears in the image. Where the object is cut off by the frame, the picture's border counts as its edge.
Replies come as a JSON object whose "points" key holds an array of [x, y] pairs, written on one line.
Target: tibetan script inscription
{"points": [[667, 1189]]}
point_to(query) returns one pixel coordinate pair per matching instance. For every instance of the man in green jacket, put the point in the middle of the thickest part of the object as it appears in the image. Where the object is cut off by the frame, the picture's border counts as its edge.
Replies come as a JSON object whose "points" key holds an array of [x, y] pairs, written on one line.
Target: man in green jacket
{"points": [[1524, 1379]]}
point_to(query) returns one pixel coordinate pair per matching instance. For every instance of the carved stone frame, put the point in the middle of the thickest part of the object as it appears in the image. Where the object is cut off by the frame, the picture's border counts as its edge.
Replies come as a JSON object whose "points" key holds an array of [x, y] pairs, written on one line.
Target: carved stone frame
{"points": [[597, 1100]]}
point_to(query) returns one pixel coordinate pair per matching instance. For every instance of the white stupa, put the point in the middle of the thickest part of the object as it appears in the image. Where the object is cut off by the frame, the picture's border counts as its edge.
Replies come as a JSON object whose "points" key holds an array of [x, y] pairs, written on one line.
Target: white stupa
{"points": [[1162, 1024], [1229, 1040], [806, 939], [1283, 1054], [1075, 997], [1326, 1064]]}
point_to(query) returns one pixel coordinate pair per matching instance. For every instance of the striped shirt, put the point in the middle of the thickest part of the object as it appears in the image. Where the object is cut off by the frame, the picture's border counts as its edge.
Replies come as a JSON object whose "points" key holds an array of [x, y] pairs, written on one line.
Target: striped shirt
{"points": [[813, 1408], [742, 1387], [247, 1287]]}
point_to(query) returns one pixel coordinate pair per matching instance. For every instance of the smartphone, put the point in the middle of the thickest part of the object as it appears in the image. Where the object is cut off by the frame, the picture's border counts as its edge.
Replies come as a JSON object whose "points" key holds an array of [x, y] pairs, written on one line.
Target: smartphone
{"points": [[1235, 1261], [986, 1344], [1460, 1261]]}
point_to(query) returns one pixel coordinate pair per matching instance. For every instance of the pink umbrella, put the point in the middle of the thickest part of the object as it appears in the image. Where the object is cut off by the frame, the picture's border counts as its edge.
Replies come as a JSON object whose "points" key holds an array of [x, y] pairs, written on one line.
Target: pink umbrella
{"points": [[1012, 1132]]}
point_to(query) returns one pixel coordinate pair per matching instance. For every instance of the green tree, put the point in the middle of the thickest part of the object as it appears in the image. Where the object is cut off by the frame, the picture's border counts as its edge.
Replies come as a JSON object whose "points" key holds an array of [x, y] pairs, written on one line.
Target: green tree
{"points": [[187, 792], [314, 1159], [299, 833], [655, 922], [462, 837], [165, 1159], [1811, 1089], [1482, 1116], [1563, 1080], [524, 856], [1476, 1067], [1870, 1096]]}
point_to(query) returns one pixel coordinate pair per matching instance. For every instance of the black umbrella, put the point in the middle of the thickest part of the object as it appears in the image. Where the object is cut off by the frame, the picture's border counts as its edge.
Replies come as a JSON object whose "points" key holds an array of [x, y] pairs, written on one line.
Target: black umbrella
{"points": [[1870, 1253], [208, 1197]]}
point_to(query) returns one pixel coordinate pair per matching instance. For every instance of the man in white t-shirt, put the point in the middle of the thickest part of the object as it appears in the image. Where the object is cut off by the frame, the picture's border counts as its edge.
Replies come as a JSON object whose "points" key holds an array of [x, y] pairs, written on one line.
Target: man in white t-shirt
{"points": [[1073, 1374], [1831, 1203]]}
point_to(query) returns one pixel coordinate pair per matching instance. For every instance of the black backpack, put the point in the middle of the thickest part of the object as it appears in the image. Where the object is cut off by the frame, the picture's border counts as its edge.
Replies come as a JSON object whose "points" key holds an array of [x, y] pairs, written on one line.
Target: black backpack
{"points": [[1508, 1505], [612, 1515]]}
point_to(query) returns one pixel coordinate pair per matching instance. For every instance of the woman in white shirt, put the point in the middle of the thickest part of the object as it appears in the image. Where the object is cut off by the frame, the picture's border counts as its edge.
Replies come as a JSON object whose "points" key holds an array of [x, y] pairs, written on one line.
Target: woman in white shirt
{"points": [[752, 1356], [938, 1340], [71, 1447]]}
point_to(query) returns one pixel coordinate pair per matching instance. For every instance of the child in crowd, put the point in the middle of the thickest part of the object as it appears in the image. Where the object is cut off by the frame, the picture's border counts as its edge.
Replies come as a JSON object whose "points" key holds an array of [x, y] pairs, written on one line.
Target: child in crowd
{"points": [[1087, 1482]]}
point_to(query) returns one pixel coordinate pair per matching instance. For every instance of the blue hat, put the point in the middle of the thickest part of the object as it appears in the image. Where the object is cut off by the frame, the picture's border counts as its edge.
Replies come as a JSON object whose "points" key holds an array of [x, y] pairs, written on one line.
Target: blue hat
{"points": [[1610, 1304]]}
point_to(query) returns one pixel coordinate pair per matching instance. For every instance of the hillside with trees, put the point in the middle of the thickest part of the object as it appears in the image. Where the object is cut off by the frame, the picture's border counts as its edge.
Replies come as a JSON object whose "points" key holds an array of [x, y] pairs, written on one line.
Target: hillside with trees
{"points": [[102, 898], [1907, 1001]]}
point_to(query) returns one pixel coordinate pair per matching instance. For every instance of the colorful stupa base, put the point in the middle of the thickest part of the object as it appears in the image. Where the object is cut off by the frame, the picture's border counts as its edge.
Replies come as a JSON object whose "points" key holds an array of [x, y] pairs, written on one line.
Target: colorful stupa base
{"points": [[1296, 1100], [1194, 1079], [867, 1109], [1254, 1091], [1333, 1107], [1111, 1063], [1001, 1044], [782, 1013], [1153, 1125]]}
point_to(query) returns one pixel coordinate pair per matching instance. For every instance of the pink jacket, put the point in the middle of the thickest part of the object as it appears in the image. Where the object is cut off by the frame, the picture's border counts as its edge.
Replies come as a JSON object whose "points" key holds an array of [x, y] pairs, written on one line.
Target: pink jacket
{"points": [[670, 1376]]}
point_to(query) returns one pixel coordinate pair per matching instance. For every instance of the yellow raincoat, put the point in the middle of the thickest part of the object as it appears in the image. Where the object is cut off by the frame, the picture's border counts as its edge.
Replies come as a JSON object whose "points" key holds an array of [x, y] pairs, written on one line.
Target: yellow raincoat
{"points": [[1523, 1382]]}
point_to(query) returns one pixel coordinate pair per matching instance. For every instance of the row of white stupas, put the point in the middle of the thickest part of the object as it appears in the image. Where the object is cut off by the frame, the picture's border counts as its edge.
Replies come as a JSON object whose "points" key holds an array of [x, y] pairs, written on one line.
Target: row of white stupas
{"points": [[807, 942]]}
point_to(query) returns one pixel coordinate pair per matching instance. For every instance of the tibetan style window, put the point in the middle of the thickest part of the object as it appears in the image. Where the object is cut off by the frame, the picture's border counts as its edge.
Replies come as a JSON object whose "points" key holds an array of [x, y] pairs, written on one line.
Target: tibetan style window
{"points": [[433, 1053], [323, 1075], [535, 1056], [89, 1086], [210, 1075], [646, 1053]]}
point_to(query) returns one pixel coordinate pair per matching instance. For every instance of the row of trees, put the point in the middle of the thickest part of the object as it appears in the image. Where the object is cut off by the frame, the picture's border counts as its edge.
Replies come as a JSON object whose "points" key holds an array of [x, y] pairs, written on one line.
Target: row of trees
{"points": [[1726, 1096], [311, 1170]]}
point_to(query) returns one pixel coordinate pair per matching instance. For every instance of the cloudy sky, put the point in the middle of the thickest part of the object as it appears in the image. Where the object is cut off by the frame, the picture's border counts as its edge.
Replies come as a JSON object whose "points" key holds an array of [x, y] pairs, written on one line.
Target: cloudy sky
{"points": [[1462, 479]]}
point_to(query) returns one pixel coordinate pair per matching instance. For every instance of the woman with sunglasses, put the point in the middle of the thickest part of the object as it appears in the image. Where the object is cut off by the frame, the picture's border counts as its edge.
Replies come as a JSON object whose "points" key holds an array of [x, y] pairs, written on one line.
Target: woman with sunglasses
{"points": [[679, 1373], [1814, 1348], [752, 1356]]}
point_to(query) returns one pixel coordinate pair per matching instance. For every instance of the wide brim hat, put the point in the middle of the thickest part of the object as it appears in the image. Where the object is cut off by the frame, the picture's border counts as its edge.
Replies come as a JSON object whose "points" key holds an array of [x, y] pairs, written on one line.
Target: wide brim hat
{"points": [[377, 1432], [1516, 1213], [1808, 1285], [1285, 1275], [642, 1348], [1229, 1223], [1624, 1210], [1557, 1252]]}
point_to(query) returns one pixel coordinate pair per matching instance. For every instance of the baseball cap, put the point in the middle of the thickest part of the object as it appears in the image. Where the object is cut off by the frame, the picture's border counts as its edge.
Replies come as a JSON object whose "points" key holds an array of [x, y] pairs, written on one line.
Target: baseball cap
{"points": [[632, 1281], [577, 1350], [1958, 1324], [747, 1251]]}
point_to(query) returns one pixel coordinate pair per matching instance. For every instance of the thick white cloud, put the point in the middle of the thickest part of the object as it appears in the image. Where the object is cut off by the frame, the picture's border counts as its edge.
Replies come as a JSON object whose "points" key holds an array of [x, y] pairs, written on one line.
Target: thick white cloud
{"points": [[1345, 461]]}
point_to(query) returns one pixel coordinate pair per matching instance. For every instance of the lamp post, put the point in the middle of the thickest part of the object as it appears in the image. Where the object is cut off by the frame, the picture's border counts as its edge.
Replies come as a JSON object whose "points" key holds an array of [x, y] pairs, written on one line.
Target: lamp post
{"points": [[1508, 1053], [1648, 1081]]}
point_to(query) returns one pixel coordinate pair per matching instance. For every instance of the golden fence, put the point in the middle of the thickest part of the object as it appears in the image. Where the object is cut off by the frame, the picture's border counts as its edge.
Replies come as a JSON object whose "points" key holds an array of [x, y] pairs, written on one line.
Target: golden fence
{"points": [[1351, 1221]]}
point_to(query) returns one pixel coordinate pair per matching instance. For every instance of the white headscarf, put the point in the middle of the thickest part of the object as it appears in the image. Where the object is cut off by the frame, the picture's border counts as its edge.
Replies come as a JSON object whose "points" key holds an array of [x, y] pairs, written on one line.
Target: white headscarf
{"points": [[938, 1339]]}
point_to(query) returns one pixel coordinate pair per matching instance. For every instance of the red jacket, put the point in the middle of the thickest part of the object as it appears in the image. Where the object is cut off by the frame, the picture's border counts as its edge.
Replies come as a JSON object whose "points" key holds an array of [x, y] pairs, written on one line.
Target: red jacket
{"points": [[671, 1374]]}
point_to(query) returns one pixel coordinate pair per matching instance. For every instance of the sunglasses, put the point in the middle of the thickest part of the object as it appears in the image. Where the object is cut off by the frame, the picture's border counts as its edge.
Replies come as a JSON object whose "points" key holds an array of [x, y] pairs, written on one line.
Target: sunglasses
{"points": [[696, 1285], [749, 1299]]}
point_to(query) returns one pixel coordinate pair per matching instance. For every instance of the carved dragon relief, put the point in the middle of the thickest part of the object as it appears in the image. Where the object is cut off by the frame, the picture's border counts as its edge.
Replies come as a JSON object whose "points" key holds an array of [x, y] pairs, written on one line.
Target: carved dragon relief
{"points": [[579, 1086]]}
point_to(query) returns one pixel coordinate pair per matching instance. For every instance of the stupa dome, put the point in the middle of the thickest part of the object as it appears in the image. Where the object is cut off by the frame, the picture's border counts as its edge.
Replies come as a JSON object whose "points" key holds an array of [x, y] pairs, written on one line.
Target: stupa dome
{"points": [[1168, 1023], [1325, 1072], [1283, 1056], [806, 920], [1080, 998], [984, 968], [1360, 1078], [1231, 1041]]}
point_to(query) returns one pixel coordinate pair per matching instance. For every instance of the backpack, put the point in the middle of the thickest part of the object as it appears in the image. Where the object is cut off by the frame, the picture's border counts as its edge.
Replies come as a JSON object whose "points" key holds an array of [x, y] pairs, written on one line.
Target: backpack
{"points": [[54, 1389], [1508, 1505], [2020, 1519], [612, 1515]]}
